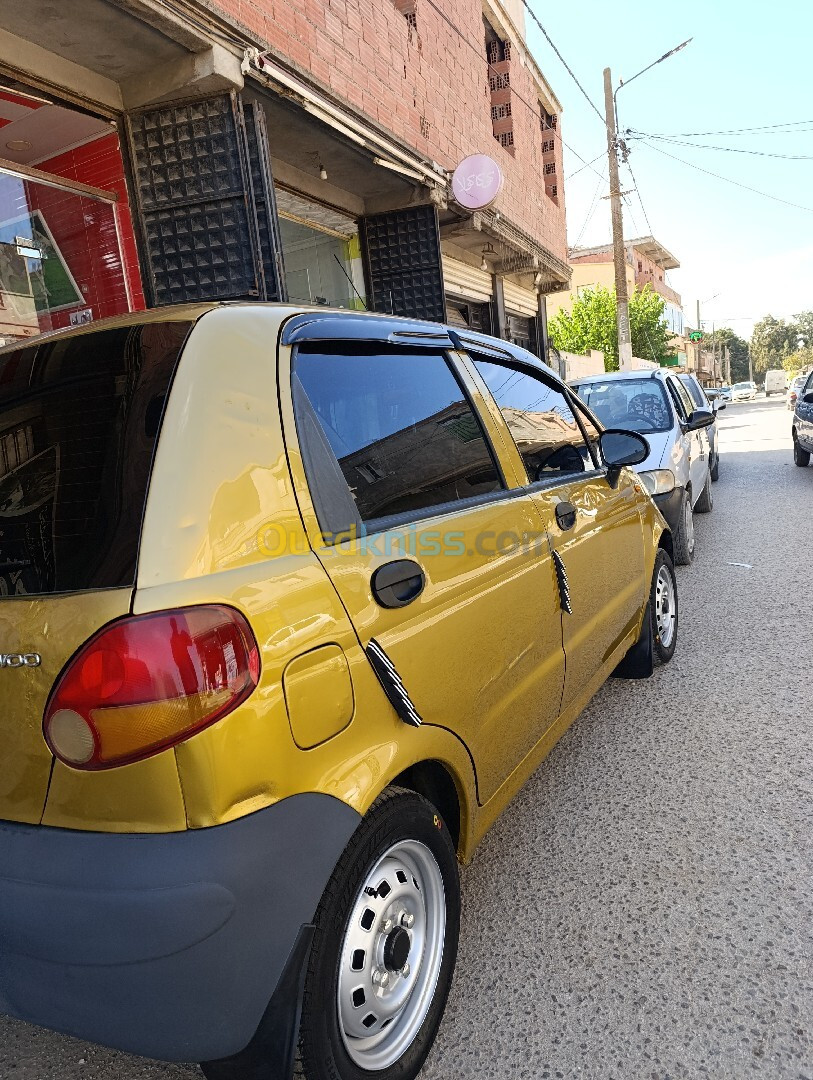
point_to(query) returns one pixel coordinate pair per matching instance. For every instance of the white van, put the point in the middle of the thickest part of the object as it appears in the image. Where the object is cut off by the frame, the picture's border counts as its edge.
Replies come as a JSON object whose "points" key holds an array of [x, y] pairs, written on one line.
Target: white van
{"points": [[775, 382]]}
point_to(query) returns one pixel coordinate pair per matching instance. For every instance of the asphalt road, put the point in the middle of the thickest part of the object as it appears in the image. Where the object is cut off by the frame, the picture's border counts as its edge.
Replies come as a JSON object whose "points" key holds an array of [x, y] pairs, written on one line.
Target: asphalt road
{"points": [[644, 909]]}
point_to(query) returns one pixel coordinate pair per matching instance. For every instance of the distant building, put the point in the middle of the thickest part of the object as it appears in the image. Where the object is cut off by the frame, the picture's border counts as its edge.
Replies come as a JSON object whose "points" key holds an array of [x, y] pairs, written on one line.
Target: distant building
{"points": [[647, 264]]}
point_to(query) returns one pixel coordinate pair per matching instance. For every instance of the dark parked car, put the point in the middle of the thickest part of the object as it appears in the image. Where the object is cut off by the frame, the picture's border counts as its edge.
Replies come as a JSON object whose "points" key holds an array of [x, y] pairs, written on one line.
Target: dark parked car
{"points": [[802, 429]]}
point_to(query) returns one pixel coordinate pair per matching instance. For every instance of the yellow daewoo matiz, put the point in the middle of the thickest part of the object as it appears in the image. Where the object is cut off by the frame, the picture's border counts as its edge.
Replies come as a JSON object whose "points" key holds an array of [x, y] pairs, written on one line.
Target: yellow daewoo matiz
{"points": [[293, 602]]}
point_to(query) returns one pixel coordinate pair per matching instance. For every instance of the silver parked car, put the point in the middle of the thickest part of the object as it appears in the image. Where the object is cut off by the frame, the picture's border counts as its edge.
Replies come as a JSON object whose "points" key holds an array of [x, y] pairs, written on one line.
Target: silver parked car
{"points": [[707, 398], [677, 471]]}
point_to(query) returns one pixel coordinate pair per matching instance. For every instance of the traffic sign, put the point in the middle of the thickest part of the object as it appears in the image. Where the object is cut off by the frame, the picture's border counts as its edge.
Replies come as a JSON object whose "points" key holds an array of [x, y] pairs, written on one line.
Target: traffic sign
{"points": [[696, 335]]}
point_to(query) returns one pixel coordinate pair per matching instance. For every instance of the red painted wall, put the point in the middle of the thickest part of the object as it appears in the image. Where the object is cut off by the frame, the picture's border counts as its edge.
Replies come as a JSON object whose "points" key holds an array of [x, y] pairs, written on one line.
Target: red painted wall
{"points": [[103, 263]]}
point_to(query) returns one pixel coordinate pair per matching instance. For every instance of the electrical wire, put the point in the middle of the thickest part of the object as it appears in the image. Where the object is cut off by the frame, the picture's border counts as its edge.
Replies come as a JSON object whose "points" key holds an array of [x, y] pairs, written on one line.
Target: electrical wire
{"points": [[567, 66], [591, 211], [533, 108], [640, 200], [633, 134], [586, 165], [734, 131], [727, 179]]}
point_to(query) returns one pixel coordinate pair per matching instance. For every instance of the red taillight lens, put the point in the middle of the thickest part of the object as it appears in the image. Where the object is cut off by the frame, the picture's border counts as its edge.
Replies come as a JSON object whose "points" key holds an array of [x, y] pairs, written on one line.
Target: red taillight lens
{"points": [[148, 682]]}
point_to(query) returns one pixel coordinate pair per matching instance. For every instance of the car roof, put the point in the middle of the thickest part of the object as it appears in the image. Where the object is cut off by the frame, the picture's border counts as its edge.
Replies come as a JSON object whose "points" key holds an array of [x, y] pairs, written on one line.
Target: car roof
{"points": [[313, 322], [613, 376]]}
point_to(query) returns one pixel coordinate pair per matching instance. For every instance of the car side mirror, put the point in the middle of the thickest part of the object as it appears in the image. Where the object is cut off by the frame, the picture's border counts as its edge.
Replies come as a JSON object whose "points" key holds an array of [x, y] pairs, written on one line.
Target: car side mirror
{"points": [[620, 448], [700, 418], [719, 406]]}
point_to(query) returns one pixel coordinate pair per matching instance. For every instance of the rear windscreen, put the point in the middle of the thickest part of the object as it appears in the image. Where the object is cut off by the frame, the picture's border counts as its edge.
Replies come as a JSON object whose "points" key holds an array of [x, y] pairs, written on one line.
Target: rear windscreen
{"points": [[79, 420]]}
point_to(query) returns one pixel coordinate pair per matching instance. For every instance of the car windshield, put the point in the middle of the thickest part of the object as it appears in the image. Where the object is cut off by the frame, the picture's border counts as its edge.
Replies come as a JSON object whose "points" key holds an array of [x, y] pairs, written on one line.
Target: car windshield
{"points": [[630, 404], [742, 386]]}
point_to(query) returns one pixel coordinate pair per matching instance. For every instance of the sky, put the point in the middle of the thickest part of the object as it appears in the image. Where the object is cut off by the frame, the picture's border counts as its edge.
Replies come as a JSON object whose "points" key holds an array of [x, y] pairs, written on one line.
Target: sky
{"points": [[742, 254]]}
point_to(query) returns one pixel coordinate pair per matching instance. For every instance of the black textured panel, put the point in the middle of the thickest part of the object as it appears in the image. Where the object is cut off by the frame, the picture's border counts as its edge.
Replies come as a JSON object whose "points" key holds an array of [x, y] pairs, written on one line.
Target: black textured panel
{"points": [[402, 253], [197, 210], [262, 184]]}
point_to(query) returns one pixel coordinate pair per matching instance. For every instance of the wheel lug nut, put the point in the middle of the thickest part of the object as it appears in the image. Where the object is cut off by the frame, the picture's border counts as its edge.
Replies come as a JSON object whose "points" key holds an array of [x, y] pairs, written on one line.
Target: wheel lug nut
{"points": [[405, 970], [386, 926], [407, 920], [381, 978]]}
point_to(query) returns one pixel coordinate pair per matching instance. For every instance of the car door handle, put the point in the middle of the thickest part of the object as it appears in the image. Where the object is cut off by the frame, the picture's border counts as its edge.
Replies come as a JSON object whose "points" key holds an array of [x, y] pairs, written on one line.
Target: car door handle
{"points": [[565, 515], [397, 583]]}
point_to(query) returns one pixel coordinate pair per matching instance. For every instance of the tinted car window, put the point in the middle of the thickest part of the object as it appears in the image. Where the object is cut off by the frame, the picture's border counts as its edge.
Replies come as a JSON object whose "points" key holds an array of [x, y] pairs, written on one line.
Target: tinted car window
{"points": [[540, 420], [697, 395], [79, 420], [629, 404], [400, 428], [685, 403]]}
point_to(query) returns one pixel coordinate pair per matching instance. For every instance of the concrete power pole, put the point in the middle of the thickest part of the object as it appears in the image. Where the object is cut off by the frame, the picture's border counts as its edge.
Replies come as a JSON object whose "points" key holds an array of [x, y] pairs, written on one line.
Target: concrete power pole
{"points": [[727, 365], [622, 306]]}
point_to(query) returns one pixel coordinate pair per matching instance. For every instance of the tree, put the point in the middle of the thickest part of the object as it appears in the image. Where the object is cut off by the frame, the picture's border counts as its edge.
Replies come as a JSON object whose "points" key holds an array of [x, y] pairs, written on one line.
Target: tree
{"points": [[799, 360], [725, 338], [804, 324], [591, 325], [772, 341]]}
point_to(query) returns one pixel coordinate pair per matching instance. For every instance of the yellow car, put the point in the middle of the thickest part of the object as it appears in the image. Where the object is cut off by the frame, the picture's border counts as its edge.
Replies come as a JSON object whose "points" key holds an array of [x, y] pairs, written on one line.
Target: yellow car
{"points": [[292, 602]]}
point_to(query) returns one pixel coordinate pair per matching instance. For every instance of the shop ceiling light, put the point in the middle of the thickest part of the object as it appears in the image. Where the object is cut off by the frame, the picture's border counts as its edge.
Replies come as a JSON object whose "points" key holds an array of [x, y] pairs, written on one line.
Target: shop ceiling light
{"points": [[18, 144]]}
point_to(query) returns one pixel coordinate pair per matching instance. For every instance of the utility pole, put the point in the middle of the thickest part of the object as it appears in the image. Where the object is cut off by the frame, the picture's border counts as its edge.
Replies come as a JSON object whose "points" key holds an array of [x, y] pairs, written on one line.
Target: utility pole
{"points": [[728, 365], [622, 306]]}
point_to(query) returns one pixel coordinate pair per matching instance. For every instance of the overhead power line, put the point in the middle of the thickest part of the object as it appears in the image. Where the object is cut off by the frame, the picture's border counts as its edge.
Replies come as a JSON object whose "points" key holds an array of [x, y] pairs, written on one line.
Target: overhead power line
{"points": [[586, 165], [633, 134], [567, 66], [727, 179], [534, 108], [734, 131]]}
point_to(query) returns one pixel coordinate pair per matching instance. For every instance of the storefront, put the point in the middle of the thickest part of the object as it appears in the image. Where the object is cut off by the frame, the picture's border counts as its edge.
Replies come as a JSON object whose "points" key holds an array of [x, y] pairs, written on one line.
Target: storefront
{"points": [[67, 246]]}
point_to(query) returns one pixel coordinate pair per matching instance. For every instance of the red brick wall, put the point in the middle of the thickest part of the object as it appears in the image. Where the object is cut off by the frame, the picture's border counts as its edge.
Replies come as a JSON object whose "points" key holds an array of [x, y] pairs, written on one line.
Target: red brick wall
{"points": [[366, 53], [85, 232]]}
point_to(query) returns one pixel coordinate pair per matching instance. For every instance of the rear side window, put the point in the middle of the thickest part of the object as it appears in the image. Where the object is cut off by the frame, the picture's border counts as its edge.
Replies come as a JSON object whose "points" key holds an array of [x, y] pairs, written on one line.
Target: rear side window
{"points": [[694, 390], [400, 430], [79, 421]]}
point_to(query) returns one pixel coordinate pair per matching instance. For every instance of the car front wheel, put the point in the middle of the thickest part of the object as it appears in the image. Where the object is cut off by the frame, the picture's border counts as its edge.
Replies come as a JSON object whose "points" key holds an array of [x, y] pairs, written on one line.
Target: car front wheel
{"points": [[800, 457], [664, 606], [384, 947]]}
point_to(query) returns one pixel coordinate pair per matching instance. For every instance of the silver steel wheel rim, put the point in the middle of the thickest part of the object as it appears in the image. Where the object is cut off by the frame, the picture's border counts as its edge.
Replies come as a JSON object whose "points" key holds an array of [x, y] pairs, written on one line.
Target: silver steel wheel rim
{"points": [[382, 1008], [665, 607], [688, 524]]}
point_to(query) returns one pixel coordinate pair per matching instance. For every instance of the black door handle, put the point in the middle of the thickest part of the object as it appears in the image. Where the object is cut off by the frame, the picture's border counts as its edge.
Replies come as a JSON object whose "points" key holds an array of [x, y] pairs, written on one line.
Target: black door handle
{"points": [[565, 515], [398, 583]]}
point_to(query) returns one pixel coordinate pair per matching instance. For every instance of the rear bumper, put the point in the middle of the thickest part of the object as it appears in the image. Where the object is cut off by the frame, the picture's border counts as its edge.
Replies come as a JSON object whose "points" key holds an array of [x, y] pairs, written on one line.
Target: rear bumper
{"points": [[170, 945], [670, 505]]}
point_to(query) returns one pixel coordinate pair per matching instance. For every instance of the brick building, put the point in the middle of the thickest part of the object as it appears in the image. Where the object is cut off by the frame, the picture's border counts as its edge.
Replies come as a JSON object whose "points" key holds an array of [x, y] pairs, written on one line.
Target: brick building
{"points": [[184, 149]]}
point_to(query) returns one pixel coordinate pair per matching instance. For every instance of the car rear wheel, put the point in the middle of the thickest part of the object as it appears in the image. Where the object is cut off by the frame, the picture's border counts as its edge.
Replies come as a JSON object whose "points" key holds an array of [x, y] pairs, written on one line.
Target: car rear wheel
{"points": [[705, 504], [715, 469], [684, 533], [664, 606], [800, 457], [384, 947]]}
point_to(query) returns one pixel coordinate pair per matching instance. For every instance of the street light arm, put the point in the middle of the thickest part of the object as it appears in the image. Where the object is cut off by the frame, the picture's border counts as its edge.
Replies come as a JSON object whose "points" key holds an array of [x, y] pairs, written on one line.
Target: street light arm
{"points": [[660, 60]]}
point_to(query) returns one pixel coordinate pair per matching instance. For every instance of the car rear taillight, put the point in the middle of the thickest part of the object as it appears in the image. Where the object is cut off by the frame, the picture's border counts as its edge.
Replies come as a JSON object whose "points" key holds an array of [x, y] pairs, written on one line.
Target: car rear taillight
{"points": [[148, 682]]}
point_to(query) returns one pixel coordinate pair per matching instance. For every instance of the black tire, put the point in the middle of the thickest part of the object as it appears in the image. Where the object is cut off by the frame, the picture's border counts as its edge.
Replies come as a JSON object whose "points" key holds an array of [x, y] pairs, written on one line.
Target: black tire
{"points": [[663, 565], [705, 504], [800, 457], [684, 533], [397, 815], [715, 469]]}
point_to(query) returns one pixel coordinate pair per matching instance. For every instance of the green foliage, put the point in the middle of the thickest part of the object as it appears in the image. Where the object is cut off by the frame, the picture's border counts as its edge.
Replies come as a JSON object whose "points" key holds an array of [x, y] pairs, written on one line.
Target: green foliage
{"points": [[592, 325], [773, 341], [804, 325], [725, 338], [799, 360]]}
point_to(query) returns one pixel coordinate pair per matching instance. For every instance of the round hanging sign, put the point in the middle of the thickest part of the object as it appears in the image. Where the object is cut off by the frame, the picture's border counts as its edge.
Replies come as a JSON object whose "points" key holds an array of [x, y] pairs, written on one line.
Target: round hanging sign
{"points": [[477, 182]]}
